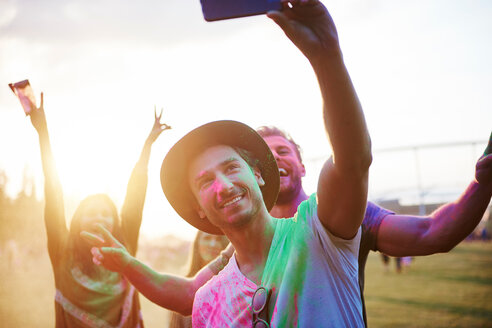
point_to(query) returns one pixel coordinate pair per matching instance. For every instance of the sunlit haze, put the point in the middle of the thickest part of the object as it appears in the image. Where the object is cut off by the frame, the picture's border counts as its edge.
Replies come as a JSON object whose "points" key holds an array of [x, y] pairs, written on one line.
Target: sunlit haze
{"points": [[422, 71]]}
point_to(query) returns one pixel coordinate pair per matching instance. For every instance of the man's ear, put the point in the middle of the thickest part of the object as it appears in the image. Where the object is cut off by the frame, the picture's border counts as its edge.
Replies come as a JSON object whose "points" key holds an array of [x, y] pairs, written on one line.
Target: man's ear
{"points": [[303, 171], [198, 209], [258, 176]]}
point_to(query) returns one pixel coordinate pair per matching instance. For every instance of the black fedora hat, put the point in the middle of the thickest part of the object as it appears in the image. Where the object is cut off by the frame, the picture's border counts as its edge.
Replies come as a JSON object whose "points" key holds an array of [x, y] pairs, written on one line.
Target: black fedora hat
{"points": [[174, 169]]}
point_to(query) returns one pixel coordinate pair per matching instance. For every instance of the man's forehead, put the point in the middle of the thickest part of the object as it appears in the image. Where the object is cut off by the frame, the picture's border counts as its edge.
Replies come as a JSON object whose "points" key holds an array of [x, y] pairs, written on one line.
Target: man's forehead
{"points": [[211, 157], [275, 141]]}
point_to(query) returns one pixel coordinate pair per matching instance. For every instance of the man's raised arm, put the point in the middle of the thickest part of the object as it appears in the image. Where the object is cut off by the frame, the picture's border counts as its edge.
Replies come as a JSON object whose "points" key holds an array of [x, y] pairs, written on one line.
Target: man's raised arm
{"points": [[342, 186]]}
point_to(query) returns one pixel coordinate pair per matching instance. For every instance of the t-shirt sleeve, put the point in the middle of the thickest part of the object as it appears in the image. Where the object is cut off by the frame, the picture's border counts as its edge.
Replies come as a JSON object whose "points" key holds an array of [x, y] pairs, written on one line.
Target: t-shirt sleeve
{"points": [[224, 301], [371, 223], [200, 310], [197, 319], [337, 250]]}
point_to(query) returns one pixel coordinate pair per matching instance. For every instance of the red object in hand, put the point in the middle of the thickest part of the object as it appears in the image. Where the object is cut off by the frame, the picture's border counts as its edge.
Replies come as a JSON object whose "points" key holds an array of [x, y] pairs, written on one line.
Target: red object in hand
{"points": [[25, 94]]}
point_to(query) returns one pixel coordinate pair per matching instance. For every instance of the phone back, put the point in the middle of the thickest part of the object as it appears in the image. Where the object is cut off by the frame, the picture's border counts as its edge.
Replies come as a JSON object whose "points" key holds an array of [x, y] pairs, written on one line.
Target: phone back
{"points": [[224, 9]]}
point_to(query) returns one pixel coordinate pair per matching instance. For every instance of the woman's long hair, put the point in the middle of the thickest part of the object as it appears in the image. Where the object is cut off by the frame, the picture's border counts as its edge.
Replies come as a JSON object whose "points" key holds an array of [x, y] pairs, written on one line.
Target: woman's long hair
{"points": [[78, 248]]}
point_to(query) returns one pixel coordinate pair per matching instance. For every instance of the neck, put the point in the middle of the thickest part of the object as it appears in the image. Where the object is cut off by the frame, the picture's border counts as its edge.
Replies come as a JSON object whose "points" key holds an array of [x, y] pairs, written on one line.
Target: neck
{"points": [[289, 208], [252, 245]]}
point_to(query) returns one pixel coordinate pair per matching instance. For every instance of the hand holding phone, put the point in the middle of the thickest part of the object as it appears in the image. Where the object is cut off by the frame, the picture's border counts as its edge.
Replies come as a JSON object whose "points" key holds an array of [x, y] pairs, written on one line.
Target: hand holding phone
{"points": [[25, 94], [224, 9]]}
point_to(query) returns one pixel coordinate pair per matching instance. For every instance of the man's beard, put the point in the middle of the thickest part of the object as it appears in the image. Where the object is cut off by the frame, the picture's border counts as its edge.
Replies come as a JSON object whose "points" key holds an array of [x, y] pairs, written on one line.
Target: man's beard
{"points": [[288, 193]]}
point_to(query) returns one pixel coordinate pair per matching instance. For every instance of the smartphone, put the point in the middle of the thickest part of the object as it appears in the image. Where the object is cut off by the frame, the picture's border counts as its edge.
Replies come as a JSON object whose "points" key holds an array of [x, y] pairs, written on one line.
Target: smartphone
{"points": [[24, 92], [214, 10]]}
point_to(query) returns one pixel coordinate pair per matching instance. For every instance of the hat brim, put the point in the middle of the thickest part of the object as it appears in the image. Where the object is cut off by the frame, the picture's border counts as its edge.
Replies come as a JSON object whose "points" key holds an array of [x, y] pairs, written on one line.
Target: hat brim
{"points": [[174, 169]]}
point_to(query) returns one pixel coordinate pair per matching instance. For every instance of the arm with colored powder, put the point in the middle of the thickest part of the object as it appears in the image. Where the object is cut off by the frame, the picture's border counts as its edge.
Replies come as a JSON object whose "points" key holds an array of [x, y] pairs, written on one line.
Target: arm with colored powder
{"points": [[172, 292], [404, 235]]}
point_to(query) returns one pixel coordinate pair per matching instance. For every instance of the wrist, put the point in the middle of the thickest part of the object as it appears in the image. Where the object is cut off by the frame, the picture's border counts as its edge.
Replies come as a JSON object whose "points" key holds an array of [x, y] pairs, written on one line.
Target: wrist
{"points": [[326, 58], [127, 264], [42, 129], [329, 62], [150, 140]]}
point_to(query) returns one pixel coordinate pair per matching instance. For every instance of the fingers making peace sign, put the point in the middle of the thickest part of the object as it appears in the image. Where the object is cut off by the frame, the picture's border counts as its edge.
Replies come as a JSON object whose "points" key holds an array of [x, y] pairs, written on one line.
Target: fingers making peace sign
{"points": [[158, 127], [107, 250]]}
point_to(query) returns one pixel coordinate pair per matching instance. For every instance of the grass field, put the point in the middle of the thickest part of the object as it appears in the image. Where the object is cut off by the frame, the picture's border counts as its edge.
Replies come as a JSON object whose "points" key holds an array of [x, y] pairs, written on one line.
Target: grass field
{"points": [[445, 290]]}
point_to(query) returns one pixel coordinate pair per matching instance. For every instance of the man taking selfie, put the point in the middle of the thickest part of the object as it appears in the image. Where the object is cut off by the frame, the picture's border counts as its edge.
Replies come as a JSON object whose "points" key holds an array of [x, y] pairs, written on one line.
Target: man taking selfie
{"points": [[222, 178]]}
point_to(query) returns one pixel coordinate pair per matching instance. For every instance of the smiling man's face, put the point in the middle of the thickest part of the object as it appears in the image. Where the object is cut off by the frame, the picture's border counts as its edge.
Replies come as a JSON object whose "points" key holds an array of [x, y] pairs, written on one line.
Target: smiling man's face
{"points": [[290, 167], [226, 188]]}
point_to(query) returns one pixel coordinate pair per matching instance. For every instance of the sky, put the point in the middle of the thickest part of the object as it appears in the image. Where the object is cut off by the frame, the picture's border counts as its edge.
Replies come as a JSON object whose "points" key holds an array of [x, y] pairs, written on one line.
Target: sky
{"points": [[421, 69]]}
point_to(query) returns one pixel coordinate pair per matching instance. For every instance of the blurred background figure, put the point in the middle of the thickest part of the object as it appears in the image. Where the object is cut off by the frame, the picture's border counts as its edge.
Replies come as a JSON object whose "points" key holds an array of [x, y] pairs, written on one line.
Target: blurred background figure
{"points": [[386, 263], [205, 248], [400, 262], [88, 295], [406, 261]]}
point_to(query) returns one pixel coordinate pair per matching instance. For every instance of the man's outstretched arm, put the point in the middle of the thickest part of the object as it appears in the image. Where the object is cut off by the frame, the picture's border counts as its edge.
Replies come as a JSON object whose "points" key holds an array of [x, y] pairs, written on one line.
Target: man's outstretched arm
{"points": [[402, 235], [172, 292], [169, 291], [342, 186]]}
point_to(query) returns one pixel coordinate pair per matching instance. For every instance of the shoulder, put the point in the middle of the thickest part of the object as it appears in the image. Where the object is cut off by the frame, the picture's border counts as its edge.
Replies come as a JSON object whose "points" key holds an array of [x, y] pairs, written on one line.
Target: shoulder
{"points": [[307, 209], [212, 285], [212, 301], [308, 214], [226, 279]]}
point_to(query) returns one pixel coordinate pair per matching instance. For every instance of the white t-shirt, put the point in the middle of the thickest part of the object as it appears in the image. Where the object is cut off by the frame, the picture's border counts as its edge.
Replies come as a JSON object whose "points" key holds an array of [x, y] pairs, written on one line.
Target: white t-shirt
{"points": [[312, 274]]}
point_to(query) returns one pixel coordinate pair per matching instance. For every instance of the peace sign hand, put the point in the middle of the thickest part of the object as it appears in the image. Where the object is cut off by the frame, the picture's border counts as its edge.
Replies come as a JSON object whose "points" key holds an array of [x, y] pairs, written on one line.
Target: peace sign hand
{"points": [[158, 127], [107, 250]]}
